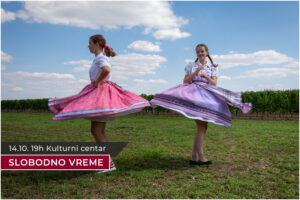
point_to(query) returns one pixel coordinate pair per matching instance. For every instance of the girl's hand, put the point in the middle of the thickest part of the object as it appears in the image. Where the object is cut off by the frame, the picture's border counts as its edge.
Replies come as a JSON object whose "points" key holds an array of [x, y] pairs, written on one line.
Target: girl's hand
{"points": [[99, 84], [200, 68], [204, 76]]}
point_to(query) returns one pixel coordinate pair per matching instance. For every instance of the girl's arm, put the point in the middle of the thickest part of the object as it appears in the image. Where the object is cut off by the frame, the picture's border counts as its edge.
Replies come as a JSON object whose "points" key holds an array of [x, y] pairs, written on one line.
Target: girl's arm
{"points": [[212, 81], [105, 71], [188, 78]]}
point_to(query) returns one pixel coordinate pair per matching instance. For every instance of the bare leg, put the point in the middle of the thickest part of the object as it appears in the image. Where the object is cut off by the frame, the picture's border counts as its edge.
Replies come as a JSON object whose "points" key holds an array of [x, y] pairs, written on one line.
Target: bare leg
{"points": [[197, 153], [98, 131]]}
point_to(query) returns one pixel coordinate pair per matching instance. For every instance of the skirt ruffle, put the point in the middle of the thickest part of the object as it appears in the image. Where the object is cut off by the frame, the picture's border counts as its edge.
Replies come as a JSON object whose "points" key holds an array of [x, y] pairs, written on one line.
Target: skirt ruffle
{"points": [[201, 101], [108, 100]]}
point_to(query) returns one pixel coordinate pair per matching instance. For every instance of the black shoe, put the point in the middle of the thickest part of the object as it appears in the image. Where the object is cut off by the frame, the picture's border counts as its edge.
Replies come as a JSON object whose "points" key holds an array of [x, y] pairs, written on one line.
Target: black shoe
{"points": [[193, 162], [204, 163]]}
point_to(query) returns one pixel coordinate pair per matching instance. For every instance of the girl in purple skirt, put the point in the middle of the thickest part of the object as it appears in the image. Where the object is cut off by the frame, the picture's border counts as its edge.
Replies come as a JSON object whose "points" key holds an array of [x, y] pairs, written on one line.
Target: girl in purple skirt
{"points": [[200, 99]]}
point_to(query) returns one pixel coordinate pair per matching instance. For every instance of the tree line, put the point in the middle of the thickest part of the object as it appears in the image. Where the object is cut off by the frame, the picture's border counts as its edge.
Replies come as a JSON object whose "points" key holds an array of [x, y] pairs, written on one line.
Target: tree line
{"points": [[262, 101]]}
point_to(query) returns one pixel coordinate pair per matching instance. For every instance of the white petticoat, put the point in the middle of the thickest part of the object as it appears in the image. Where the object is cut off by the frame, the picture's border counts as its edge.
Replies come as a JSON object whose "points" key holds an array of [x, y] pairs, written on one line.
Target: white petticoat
{"points": [[111, 118]]}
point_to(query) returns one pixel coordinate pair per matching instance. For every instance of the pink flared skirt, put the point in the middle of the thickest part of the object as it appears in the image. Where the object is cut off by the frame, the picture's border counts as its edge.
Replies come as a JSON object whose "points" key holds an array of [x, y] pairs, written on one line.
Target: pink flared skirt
{"points": [[102, 103]]}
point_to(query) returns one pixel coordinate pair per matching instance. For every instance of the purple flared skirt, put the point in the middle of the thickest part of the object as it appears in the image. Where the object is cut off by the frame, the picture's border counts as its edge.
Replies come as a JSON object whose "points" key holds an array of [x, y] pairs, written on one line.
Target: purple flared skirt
{"points": [[202, 101]]}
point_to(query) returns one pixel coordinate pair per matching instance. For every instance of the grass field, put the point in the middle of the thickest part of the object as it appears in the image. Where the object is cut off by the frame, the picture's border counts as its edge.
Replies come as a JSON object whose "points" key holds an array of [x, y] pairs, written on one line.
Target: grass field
{"points": [[252, 159]]}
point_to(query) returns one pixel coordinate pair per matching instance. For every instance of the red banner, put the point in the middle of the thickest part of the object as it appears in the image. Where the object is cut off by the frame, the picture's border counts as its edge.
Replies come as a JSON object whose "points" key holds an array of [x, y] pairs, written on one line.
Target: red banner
{"points": [[55, 162]]}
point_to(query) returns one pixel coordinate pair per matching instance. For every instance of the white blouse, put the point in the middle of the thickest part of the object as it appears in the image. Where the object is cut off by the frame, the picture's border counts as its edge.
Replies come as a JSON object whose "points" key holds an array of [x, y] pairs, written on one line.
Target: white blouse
{"points": [[96, 68], [209, 70]]}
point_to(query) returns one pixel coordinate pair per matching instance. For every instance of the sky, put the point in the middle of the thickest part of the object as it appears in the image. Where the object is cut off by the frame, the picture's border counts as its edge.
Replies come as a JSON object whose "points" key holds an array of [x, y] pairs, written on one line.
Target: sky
{"points": [[44, 45]]}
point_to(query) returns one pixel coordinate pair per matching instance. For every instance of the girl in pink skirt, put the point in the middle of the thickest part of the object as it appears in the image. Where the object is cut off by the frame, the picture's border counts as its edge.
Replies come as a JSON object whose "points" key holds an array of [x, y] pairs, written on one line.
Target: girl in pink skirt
{"points": [[101, 100], [200, 99]]}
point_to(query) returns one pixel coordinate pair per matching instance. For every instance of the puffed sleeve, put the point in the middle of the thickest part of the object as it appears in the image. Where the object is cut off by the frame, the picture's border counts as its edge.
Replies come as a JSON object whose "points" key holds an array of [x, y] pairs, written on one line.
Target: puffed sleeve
{"points": [[101, 62], [215, 71], [188, 69]]}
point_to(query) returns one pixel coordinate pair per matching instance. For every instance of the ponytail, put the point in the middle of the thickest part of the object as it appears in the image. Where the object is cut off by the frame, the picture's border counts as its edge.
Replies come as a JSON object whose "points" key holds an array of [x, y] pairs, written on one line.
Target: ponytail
{"points": [[109, 52], [215, 65], [210, 59]]}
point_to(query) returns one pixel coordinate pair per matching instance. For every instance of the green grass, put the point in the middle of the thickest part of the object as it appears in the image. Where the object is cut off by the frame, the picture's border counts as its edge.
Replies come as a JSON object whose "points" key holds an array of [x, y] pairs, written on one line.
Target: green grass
{"points": [[252, 159]]}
